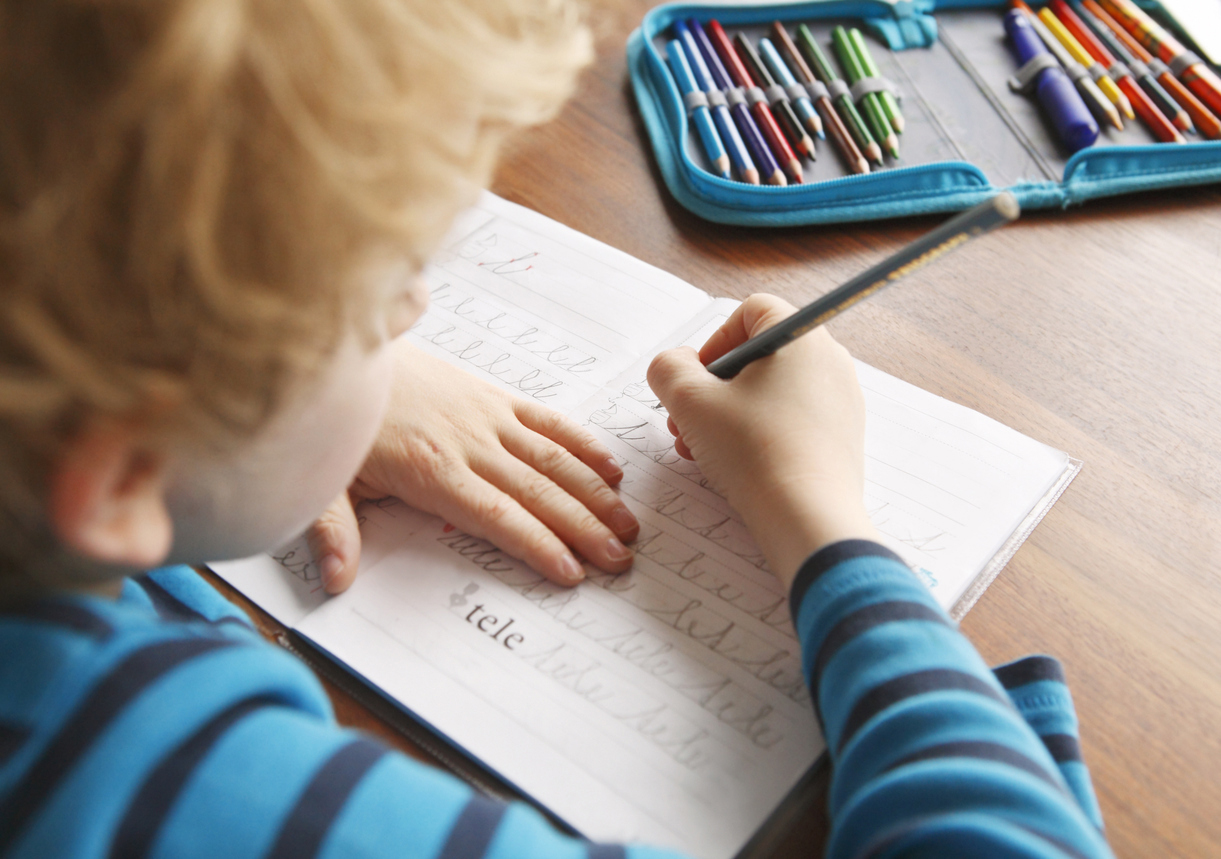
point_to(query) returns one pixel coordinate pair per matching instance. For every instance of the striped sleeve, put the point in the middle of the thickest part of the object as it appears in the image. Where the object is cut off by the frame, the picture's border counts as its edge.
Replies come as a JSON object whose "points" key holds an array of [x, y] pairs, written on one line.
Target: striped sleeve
{"points": [[930, 753]]}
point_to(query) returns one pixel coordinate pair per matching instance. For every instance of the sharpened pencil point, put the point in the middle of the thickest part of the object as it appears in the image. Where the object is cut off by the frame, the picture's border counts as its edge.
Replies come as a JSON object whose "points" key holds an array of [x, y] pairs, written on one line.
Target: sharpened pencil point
{"points": [[874, 152], [1183, 122], [892, 146], [862, 166], [722, 167], [778, 178], [795, 171], [751, 176], [898, 123]]}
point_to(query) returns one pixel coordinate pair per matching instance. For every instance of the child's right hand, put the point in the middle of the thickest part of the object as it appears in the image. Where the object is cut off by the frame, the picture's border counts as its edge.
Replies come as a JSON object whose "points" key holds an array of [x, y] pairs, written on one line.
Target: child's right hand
{"points": [[783, 441]]}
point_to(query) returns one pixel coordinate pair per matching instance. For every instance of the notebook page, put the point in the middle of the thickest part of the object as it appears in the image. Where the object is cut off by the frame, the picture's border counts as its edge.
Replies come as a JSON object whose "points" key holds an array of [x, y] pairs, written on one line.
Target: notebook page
{"points": [[542, 310]]}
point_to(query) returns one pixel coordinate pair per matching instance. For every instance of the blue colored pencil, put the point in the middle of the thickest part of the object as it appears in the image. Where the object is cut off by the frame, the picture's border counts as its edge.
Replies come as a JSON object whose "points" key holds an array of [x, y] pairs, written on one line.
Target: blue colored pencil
{"points": [[801, 104], [769, 169], [700, 114], [738, 153]]}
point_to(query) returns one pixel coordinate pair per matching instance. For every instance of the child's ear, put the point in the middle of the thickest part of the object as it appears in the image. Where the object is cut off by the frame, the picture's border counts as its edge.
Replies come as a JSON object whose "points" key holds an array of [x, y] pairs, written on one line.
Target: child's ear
{"points": [[107, 497]]}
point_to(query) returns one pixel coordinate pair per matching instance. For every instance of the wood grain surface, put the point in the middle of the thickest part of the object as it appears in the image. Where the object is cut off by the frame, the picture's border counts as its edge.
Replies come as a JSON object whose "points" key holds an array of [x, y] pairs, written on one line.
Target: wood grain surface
{"points": [[1096, 330]]}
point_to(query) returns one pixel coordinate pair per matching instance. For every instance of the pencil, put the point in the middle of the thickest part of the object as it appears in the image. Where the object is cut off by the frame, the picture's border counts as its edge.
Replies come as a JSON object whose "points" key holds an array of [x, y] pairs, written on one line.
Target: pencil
{"points": [[1144, 107], [798, 96], [889, 104], [769, 170], [1206, 121], [1140, 70], [697, 104], [735, 146], [1081, 55], [1098, 103], [759, 108], [782, 108], [1186, 65], [831, 120], [992, 213], [854, 70], [839, 95]]}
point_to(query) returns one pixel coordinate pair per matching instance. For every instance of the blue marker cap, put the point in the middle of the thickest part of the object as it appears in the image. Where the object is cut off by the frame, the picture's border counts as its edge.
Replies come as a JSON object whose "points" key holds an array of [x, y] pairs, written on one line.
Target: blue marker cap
{"points": [[1072, 120]]}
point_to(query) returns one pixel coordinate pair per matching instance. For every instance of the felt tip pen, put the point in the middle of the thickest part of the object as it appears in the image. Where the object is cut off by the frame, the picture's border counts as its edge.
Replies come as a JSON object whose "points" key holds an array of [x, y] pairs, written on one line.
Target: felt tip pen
{"points": [[1073, 123], [988, 215]]}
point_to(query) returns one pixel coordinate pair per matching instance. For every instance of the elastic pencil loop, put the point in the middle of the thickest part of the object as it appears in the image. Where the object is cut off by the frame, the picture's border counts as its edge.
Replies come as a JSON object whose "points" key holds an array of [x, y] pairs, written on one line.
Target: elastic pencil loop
{"points": [[795, 91], [716, 98], [1138, 69], [1096, 71], [1183, 62], [1118, 70], [775, 94], [865, 86], [838, 87], [694, 100], [735, 96], [1076, 71], [754, 96], [816, 90], [1157, 68], [1023, 79]]}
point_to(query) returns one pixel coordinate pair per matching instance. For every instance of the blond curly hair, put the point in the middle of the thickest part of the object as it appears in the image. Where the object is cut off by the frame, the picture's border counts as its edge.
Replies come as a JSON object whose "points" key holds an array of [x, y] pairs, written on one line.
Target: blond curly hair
{"points": [[193, 192]]}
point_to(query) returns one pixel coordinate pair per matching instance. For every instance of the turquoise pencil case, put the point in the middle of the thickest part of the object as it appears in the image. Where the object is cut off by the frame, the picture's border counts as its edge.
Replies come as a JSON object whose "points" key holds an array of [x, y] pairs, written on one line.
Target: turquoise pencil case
{"points": [[967, 135]]}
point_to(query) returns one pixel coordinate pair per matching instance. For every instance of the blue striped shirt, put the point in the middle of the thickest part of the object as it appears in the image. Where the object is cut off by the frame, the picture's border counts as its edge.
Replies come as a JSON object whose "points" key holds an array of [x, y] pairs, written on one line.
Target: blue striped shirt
{"points": [[161, 725]]}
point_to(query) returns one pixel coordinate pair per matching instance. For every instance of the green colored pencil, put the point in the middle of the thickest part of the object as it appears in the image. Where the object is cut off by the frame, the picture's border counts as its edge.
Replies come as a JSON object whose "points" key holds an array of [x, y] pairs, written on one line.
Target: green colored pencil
{"points": [[889, 104], [843, 103], [854, 71]]}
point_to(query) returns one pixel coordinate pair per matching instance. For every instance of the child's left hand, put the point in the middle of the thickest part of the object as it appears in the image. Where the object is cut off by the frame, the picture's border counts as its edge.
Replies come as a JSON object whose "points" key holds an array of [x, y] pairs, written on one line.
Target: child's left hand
{"points": [[499, 467]]}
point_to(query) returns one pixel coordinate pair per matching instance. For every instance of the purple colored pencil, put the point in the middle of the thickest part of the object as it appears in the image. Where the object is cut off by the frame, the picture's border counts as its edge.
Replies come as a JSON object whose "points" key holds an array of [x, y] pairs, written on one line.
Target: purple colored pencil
{"points": [[769, 169]]}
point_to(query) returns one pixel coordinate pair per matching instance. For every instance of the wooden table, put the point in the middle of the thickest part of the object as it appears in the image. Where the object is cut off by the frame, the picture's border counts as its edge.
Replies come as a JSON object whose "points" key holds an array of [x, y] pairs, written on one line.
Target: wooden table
{"points": [[1096, 330]]}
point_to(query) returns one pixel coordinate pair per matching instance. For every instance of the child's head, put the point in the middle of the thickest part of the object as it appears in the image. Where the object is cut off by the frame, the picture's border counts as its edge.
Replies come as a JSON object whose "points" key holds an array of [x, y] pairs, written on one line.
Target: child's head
{"points": [[209, 209]]}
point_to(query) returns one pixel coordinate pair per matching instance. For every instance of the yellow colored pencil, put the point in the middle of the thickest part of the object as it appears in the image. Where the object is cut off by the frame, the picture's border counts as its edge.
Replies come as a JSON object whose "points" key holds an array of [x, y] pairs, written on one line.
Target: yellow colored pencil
{"points": [[1081, 55]]}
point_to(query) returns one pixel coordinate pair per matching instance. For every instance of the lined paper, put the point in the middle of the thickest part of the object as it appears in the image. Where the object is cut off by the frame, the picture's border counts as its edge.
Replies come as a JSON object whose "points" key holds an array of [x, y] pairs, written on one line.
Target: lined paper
{"points": [[665, 704]]}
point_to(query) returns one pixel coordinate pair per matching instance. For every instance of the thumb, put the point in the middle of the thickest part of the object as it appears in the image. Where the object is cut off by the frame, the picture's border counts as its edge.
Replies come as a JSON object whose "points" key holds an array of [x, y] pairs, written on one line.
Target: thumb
{"points": [[678, 373], [334, 541]]}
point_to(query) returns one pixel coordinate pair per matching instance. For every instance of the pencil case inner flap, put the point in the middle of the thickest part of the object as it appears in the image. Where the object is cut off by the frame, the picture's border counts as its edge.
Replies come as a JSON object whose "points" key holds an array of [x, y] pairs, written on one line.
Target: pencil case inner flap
{"points": [[967, 134]]}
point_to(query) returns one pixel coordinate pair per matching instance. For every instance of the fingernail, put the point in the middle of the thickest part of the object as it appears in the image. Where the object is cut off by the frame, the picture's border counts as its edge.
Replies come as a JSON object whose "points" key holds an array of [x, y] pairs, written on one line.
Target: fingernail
{"points": [[621, 520], [330, 567], [616, 551], [612, 469], [570, 570]]}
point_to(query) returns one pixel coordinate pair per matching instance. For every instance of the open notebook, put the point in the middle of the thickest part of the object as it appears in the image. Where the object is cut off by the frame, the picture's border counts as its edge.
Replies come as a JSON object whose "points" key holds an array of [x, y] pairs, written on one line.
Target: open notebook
{"points": [[665, 704]]}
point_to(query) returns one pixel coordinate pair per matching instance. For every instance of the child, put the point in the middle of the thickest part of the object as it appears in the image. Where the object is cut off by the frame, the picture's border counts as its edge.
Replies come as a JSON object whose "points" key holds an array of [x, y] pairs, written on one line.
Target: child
{"points": [[212, 216]]}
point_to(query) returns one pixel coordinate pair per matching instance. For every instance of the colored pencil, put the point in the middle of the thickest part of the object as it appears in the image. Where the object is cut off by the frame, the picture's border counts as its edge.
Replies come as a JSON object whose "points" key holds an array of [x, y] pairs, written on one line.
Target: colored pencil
{"points": [[1098, 103], [797, 95], [769, 170], [782, 107], [758, 101], [874, 112], [1205, 120], [1051, 84], [834, 126], [975, 222], [1081, 55], [1161, 127], [701, 117], [889, 103], [839, 94], [1194, 73], [1157, 94], [735, 147]]}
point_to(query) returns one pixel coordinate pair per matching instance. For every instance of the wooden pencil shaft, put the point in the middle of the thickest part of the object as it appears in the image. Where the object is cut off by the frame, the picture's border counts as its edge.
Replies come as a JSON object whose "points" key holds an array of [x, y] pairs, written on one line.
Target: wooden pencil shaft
{"points": [[992, 213]]}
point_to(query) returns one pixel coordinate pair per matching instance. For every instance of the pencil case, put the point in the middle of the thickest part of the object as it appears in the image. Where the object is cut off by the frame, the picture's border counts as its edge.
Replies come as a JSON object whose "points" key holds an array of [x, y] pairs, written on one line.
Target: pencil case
{"points": [[967, 136]]}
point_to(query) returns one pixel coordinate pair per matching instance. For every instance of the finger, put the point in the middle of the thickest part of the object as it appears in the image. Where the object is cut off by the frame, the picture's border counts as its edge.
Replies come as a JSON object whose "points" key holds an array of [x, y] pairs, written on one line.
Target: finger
{"points": [[753, 316], [671, 426], [678, 370], [572, 437], [334, 540], [559, 511], [578, 480], [484, 511]]}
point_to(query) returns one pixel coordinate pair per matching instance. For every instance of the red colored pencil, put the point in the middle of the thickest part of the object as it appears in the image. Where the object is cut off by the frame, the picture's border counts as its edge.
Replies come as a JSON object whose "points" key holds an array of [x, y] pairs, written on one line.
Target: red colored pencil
{"points": [[1161, 127], [1205, 120], [759, 109]]}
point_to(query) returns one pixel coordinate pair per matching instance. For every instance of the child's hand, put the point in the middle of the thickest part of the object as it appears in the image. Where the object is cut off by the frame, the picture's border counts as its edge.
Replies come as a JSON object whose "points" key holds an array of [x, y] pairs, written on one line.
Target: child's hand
{"points": [[783, 441], [511, 471]]}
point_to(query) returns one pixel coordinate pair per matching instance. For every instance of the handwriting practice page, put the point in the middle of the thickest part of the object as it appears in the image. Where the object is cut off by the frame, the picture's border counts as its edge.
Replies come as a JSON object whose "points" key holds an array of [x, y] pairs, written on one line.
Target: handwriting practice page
{"points": [[665, 704]]}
